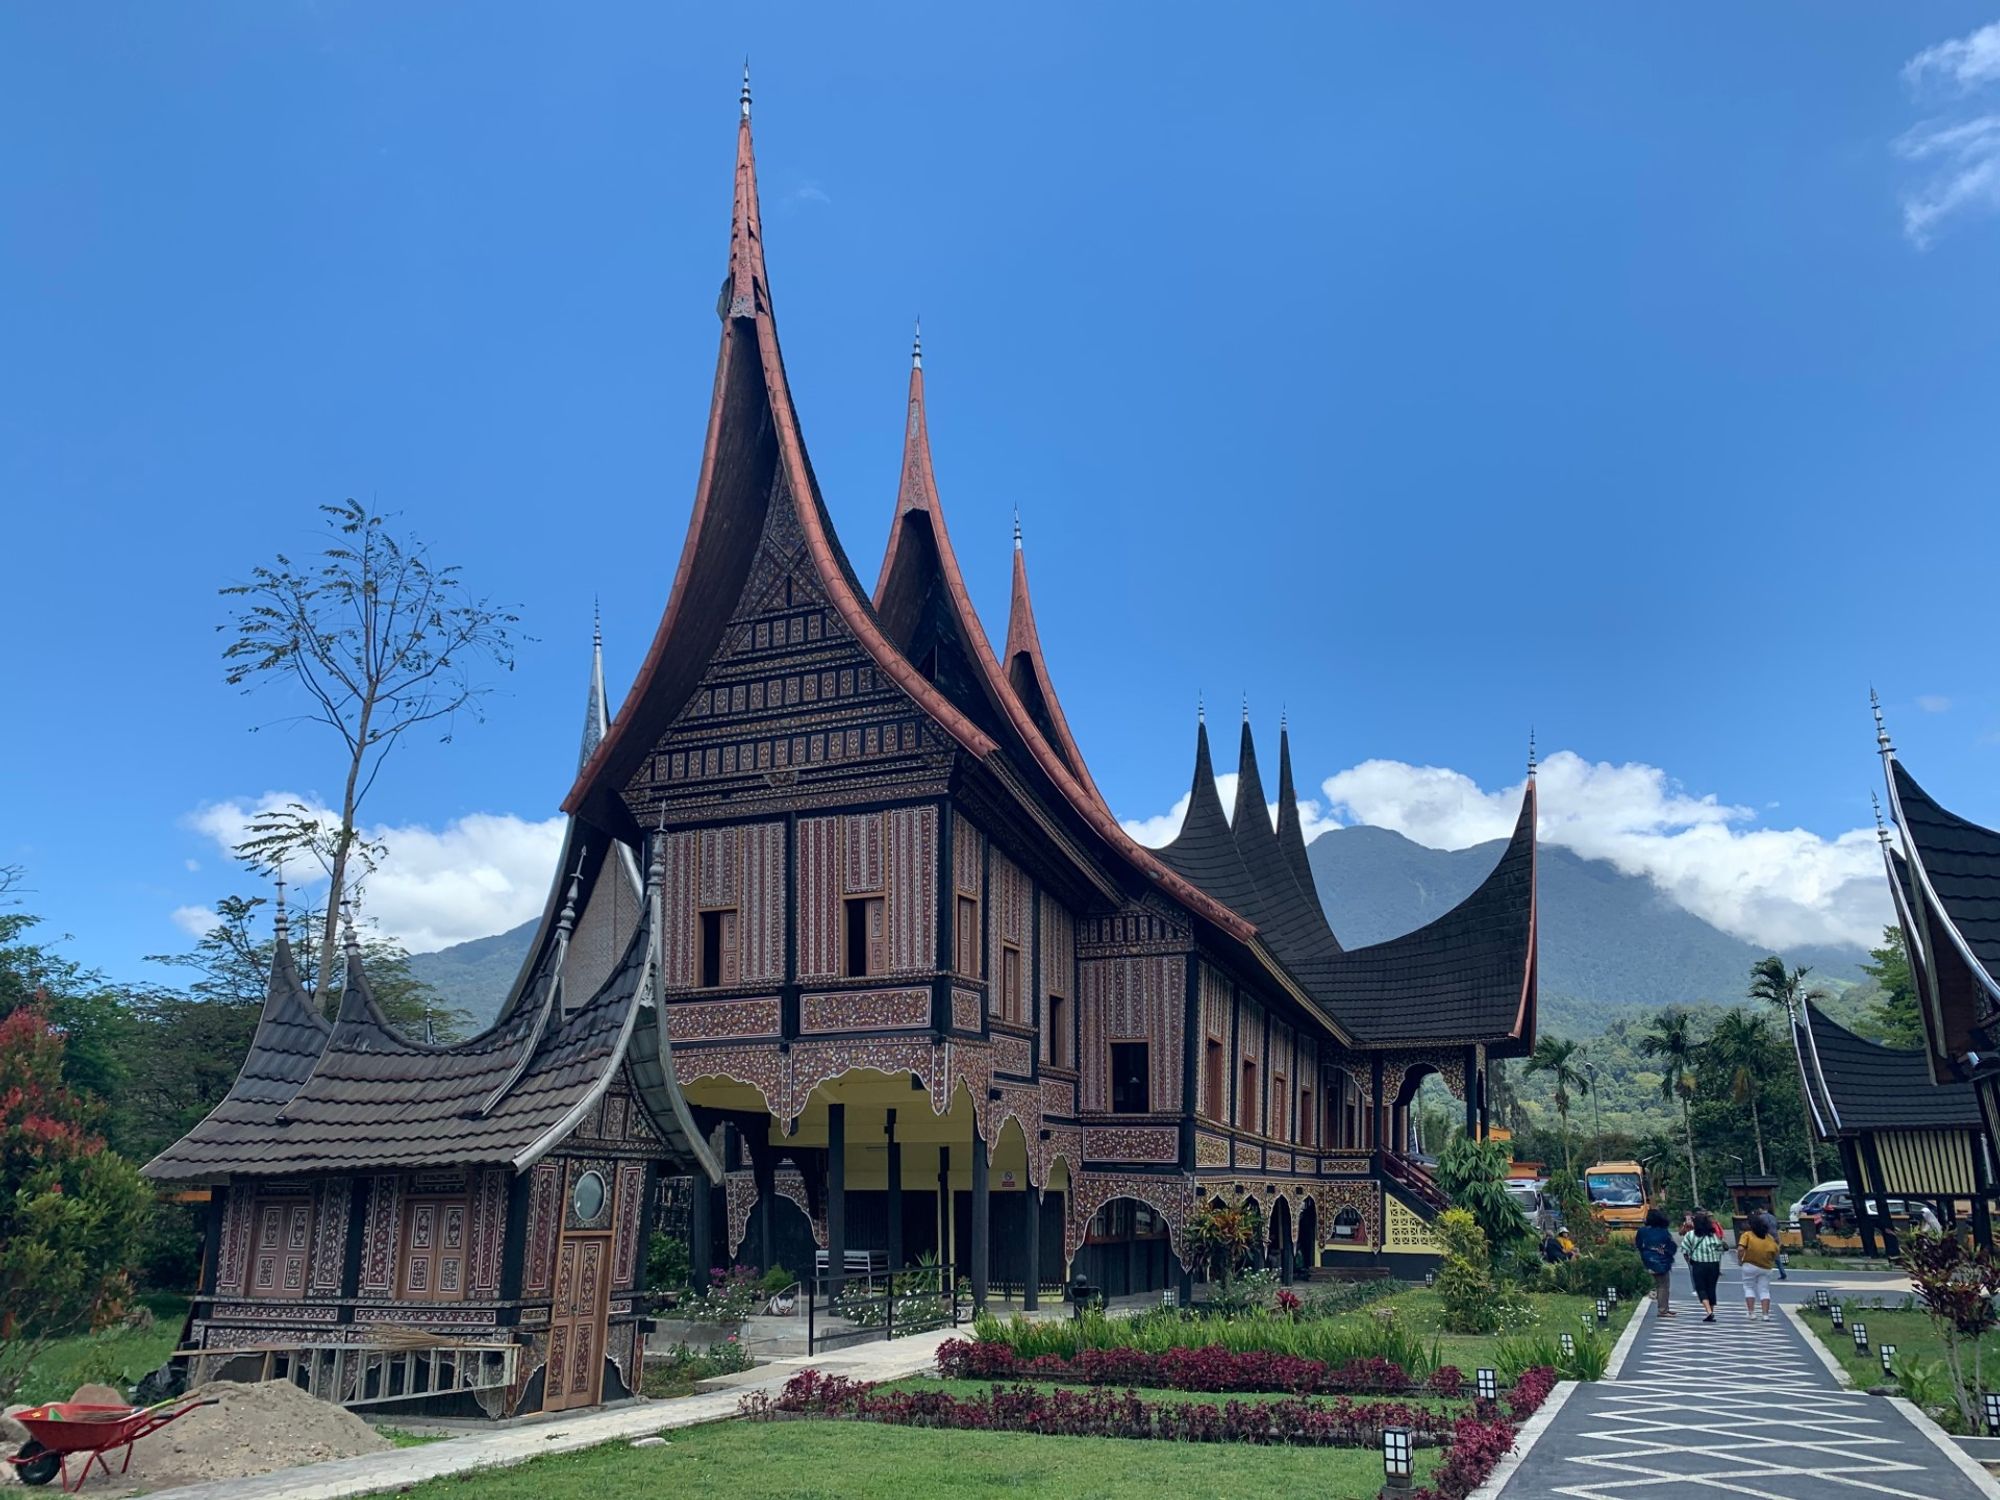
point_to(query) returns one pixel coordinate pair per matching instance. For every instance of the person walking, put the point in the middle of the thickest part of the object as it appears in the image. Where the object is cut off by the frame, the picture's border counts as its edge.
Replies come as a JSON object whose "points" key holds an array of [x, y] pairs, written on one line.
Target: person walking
{"points": [[1757, 1253], [1770, 1222], [1656, 1247], [1703, 1248]]}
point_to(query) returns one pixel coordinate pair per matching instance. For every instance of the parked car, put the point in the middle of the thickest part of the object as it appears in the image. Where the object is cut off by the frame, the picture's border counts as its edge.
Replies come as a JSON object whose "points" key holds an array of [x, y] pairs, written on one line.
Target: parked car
{"points": [[1816, 1196], [1532, 1198]]}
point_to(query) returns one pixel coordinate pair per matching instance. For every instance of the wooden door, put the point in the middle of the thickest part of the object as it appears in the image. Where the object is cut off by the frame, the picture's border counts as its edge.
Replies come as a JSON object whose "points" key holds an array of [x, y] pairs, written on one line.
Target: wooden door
{"points": [[284, 1244], [578, 1323], [434, 1250]]}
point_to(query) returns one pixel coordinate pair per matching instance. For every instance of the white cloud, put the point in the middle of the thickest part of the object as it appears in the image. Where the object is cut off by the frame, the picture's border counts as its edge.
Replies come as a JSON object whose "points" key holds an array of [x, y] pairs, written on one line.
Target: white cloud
{"points": [[477, 875], [1772, 886], [1933, 703], [1965, 63], [1960, 152], [196, 921]]}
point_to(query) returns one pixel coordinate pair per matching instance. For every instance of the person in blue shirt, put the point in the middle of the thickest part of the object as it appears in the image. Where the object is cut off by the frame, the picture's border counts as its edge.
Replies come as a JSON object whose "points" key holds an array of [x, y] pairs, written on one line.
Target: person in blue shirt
{"points": [[1656, 1247]]}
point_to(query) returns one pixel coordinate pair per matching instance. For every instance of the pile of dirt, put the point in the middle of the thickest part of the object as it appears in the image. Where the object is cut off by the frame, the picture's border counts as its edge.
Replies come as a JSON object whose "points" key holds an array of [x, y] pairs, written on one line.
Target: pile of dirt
{"points": [[252, 1429]]}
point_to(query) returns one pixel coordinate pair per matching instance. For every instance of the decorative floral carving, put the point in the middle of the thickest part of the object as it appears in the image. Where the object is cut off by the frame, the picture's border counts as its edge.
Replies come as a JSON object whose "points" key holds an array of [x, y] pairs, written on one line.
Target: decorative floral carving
{"points": [[1171, 1196], [1210, 1151], [740, 1194], [719, 1020], [1147, 1143], [866, 1010], [966, 1010], [787, 1183]]}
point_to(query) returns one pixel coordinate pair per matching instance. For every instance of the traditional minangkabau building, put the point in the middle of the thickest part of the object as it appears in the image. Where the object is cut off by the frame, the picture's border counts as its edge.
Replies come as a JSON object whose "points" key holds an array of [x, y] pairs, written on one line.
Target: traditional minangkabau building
{"points": [[901, 978], [1944, 883], [1899, 1134]]}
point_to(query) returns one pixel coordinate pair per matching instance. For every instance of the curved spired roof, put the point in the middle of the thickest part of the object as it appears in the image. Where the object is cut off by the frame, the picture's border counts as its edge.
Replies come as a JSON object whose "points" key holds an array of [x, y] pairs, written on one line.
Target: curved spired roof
{"points": [[754, 457], [1028, 676], [1957, 863], [291, 1034], [1857, 1085], [1290, 919], [1204, 852], [1467, 976]]}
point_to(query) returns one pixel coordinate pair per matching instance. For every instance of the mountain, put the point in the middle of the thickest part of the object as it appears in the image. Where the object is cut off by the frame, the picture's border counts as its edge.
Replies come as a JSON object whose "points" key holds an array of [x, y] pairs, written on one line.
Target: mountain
{"points": [[1611, 943], [476, 976]]}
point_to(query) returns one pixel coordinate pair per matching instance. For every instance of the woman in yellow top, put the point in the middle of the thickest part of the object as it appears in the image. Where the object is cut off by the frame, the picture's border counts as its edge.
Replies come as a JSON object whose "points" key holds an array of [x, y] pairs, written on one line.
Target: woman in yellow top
{"points": [[1757, 1252]]}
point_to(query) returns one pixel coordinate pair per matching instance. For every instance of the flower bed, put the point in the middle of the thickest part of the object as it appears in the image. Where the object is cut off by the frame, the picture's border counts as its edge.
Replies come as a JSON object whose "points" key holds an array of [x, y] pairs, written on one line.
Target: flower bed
{"points": [[1207, 1368], [1475, 1440]]}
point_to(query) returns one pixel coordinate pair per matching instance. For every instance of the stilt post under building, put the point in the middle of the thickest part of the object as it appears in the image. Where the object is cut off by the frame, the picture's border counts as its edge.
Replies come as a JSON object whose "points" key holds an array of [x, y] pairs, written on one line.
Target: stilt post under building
{"points": [[895, 1194], [945, 1257], [836, 1198], [982, 1220], [701, 1231], [1031, 1277]]}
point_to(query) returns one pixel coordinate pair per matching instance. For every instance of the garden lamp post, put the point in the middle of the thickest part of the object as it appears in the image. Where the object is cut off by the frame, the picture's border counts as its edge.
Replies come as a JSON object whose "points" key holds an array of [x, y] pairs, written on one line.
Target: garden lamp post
{"points": [[1860, 1338], [1839, 1317], [1430, 1278], [1603, 1313], [1488, 1384], [1611, 1295], [1568, 1341], [1821, 1300], [1888, 1357], [1992, 1399], [1399, 1458]]}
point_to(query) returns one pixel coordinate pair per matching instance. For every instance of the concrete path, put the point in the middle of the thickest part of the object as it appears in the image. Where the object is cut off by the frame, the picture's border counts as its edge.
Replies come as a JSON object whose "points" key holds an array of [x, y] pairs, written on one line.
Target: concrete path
{"points": [[378, 1472], [1737, 1407]]}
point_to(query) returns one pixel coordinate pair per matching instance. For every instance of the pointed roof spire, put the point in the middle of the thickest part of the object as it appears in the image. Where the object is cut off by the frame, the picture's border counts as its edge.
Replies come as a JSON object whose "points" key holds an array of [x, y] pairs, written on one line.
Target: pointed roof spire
{"points": [[596, 706], [1291, 832], [748, 291], [281, 924], [1531, 751], [1882, 742], [1251, 817]]}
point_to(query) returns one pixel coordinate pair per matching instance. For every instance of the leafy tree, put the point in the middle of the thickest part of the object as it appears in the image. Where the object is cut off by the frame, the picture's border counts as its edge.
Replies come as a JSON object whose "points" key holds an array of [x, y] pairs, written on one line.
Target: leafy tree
{"points": [[1562, 1060], [1893, 1020], [377, 641], [1220, 1239], [1672, 1039], [1957, 1285], [71, 1212], [1786, 989], [1740, 1051], [1473, 1175]]}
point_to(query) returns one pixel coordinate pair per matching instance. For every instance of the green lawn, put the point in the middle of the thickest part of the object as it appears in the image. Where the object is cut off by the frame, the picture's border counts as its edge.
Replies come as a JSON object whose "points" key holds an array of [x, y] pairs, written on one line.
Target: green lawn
{"points": [[1910, 1332], [1550, 1313], [118, 1356], [812, 1459], [964, 1389]]}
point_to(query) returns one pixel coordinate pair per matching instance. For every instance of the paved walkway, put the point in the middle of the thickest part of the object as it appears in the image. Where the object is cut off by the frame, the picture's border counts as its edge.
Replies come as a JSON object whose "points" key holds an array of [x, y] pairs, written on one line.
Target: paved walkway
{"points": [[1737, 1408], [376, 1473]]}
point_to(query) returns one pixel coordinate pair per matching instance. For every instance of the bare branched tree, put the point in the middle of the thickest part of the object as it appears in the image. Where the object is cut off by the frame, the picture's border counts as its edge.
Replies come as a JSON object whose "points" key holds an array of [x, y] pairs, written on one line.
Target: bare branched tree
{"points": [[379, 641]]}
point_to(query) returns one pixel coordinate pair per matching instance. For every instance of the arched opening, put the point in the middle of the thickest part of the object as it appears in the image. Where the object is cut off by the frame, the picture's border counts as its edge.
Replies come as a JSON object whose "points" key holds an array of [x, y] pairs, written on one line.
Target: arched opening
{"points": [[1126, 1249], [1349, 1228], [1308, 1233], [1278, 1238]]}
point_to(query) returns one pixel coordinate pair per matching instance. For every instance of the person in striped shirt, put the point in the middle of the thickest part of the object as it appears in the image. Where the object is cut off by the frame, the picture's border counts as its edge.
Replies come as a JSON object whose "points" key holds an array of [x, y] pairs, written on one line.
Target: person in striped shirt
{"points": [[1703, 1248]]}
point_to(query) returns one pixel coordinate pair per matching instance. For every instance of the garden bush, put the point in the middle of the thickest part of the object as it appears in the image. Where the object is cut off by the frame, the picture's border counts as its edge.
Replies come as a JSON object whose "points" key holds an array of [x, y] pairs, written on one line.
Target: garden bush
{"points": [[1612, 1265], [1341, 1423], [1330, 1342], [1516, 1356], [1201, 1369]]}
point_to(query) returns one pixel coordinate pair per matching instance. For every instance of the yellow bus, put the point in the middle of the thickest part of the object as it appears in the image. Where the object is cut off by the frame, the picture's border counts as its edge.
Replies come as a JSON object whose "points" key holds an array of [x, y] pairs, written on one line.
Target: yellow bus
{"points": [[1618, 1196]]}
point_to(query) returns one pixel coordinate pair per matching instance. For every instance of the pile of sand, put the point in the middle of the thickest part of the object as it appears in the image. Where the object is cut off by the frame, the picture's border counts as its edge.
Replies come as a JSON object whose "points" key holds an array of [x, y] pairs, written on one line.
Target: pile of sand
{"points": [[252, 1430]]}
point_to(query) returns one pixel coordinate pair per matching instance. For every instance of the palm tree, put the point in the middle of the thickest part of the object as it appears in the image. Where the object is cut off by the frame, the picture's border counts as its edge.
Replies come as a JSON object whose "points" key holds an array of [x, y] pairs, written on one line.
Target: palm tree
{"points": [[1562, 1060], [1740, 1049], [1774, 984], [1672, 1039]]}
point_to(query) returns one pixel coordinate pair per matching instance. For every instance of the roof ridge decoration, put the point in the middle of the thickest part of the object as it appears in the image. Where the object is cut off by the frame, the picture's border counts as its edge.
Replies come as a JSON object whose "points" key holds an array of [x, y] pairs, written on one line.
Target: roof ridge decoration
{"points": [[752, 412]]}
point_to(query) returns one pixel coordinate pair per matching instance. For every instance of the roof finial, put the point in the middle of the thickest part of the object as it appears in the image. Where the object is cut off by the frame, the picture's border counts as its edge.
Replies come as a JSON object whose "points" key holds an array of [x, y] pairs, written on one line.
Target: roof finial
{"points": [[596, 622], [1881, 828], [566, 923], [349, 939], [656, 873], [281, 924], [1531, 750], [1881, 729], [1284, 719], [1200, 708], [1246, 705], [746, 88], [917, 345]]}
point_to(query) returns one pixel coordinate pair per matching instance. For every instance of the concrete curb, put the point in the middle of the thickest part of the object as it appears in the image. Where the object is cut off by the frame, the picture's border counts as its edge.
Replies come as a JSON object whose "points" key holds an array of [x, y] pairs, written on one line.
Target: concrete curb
{"points": [[1825, 1355], [1623, 1348], [1959, 1459], [1525, 1440]]}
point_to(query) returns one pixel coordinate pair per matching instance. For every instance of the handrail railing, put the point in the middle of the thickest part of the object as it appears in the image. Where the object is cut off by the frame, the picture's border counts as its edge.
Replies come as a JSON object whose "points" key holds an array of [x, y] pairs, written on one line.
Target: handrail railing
{"points": [[917, 1299]]}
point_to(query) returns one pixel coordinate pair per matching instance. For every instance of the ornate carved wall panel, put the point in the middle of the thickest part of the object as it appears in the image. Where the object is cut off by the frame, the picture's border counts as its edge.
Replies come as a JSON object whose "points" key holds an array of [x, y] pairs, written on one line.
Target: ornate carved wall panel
{"points": [[1136, 1143], [489, 1231], [1133, 999], [1013, 1054], [965, 1010], [1056, 967], [232, 1261], [1170, 1195], [865, 1010], [720, 1020], [381, 1235], [543, 1226]]}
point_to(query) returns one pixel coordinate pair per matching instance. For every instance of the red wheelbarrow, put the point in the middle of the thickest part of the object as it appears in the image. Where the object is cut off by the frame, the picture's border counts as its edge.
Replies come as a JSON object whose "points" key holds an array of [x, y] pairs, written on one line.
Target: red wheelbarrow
{"points": [[62, 1428]]}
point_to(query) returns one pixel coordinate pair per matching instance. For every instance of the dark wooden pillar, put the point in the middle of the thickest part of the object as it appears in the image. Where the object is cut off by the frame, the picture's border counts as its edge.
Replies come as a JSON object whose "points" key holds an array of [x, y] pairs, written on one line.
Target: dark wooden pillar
{"points": [[1485, 1107], [1982, 1193], [836, 1197], [701, 1230], [763, 1174], [895, 1195], [1872, 1159], [945, 1257], [1850, 1164], [982, 1220], [1031, 1258], [1472, 1130], [1285, 1257]]}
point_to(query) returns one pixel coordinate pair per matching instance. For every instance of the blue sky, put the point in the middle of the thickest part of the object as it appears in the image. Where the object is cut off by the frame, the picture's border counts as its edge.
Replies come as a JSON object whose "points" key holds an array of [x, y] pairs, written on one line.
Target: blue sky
{"points": [[1629, 372]]}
